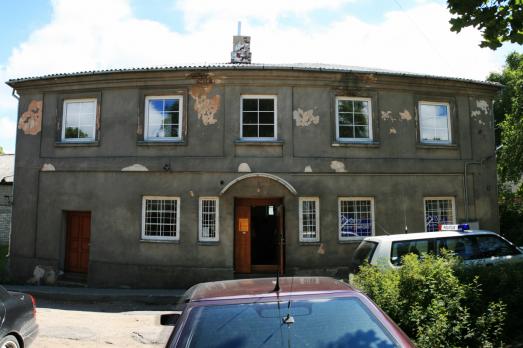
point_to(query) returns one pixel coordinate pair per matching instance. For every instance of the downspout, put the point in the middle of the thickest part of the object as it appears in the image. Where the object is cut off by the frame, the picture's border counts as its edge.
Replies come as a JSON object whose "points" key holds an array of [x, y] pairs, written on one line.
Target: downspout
{"points": [[465, 182], [16, 96]]}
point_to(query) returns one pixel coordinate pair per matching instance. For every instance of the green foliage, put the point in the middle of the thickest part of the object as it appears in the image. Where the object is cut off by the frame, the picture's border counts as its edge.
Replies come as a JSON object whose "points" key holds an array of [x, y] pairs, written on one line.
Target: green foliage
{"points": [[1, 150], [432, 305], [510, 199], [508, 113], [498, 20]]}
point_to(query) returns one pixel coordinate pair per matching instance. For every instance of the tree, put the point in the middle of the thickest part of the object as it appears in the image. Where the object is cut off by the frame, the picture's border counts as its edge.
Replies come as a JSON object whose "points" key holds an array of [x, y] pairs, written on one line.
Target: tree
{"points": [[1, 150], [498, 20], [508, 113]]}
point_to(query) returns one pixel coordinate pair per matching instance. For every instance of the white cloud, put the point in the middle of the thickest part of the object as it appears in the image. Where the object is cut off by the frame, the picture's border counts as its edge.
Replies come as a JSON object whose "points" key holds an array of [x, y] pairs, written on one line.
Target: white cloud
{"points": [[100, 34], [7, 134]]}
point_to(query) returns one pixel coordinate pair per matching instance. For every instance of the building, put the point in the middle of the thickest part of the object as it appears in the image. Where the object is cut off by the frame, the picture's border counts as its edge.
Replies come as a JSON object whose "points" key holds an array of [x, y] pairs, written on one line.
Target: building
{"points": [[7, 166], [164, 177]]}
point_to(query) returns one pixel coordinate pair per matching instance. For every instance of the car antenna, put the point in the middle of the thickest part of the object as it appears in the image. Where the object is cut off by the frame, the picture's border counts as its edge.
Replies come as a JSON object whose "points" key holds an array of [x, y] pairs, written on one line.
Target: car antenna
{"points": [[289, 319], [277, 286]]}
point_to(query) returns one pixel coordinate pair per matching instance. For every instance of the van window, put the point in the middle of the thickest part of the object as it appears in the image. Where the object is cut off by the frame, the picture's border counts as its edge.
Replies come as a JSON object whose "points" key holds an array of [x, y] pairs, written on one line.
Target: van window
{"points": [[494, 246], [464, 247], [362, 254], [404, 247]]}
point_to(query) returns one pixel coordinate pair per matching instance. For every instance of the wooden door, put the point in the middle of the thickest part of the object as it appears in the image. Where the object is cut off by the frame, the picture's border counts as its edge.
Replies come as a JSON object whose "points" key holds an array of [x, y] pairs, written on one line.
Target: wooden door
{"points": [[281, 240], [77, 241], [242, 240]]}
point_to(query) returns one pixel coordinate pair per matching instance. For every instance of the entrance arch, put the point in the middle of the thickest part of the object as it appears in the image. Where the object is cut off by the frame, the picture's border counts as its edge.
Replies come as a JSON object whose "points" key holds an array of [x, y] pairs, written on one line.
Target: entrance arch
{"points": [[281, 181]]}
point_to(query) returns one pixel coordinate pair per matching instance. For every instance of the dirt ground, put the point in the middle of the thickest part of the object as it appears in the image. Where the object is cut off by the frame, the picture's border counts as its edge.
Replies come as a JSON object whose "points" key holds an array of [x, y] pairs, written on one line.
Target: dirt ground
{"points": [[63, 324]]}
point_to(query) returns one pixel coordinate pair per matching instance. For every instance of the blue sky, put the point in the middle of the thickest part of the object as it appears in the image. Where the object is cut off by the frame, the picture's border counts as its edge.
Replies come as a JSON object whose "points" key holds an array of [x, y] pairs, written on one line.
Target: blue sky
{"points": [[52, 36]]}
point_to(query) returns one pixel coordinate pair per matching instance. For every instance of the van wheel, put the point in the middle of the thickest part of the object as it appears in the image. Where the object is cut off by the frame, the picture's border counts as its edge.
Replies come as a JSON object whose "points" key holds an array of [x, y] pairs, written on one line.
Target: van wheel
{"points": [[9, 341]]}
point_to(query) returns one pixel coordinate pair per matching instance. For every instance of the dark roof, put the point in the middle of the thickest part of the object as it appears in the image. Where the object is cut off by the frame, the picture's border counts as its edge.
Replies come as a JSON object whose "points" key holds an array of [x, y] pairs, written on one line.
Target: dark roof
{"points": [[253, 66], [264, 286]]}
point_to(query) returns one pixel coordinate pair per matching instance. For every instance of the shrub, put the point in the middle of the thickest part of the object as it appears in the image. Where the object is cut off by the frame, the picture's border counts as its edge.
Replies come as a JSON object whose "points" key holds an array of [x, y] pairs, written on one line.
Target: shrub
{"points": [[432, 305]]}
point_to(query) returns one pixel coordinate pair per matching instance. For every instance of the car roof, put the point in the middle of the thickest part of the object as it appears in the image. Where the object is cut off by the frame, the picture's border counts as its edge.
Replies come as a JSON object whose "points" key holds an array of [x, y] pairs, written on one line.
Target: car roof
{"points": [[241, 288], [423, 235]]}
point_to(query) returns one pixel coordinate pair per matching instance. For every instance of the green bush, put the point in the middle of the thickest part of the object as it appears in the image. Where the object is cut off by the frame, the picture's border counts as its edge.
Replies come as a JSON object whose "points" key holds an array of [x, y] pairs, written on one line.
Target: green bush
{"points": [[432, 305]]}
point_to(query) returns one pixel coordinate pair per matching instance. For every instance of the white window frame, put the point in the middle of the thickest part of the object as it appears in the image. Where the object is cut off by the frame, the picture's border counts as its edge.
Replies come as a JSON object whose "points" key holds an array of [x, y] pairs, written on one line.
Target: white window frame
{"points": [[178, 218], [439, 198], [370, 137], [259, 96], [371, 199], [64, 116], [180, 117], [317, 213], [217, 219], [449, 123]]}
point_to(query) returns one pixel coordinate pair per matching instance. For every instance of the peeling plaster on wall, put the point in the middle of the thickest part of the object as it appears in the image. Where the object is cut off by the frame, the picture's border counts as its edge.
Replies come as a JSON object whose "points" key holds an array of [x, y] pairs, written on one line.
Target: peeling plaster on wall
{"points": [[405, 115], [338, 167], [191, 193], [204, 106], [305, 118], [475, 113], [387, 116], [244, 168], [392, 130], [47, 167], [483, 105], [135, 168], [308, 169], [369, 78], [31, 120], [139, 130], [321, 249]]}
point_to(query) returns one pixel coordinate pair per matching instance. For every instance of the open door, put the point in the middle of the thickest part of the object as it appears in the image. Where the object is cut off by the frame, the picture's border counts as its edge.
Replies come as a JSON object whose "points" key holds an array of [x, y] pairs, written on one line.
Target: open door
{"points": [[242, 239], [280, 214]]}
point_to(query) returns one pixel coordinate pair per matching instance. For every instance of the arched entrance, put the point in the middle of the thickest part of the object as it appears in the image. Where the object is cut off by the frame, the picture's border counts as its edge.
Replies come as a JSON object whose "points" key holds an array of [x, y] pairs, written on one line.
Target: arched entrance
{"points": [[259, 216]]}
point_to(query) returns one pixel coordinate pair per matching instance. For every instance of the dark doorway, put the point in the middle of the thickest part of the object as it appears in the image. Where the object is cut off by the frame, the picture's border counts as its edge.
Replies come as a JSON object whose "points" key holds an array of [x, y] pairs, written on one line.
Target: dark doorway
{"points": [[259, 236]]}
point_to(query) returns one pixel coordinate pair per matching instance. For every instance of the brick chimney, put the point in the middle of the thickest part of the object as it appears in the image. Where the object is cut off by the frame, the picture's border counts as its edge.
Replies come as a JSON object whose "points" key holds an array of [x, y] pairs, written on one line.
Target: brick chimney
{"points": [[241, 48]]}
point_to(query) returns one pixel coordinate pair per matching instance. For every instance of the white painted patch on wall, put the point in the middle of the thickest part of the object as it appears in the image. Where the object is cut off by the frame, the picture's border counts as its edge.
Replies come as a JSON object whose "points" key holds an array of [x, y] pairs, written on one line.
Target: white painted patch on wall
{"points": [[482, 105], [308, 169], [475, 113], [405, 115], [338, 167], [48, 167], [305, 118], [392, 130], [244, 168], [135, 168], [387, 116]]}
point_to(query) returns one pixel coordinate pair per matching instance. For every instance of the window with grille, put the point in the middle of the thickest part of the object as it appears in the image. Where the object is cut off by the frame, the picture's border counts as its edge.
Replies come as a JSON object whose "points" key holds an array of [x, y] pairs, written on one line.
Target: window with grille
{"points": [[356, 217], [439, 210], [163, 118], [309, 219], [353, 119], [79, 120], [258, 120], [434, 119], [161, 218], [209, 219]]}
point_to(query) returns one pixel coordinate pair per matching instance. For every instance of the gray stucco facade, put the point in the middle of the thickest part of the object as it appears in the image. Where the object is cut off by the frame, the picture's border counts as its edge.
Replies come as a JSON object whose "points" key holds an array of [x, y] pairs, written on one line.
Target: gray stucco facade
{"points": [[109, 176]]}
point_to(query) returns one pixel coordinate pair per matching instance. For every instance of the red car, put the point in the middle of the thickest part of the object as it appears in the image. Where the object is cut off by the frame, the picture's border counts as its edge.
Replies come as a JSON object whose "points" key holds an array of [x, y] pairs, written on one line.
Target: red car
{"points": [[284, 312]]}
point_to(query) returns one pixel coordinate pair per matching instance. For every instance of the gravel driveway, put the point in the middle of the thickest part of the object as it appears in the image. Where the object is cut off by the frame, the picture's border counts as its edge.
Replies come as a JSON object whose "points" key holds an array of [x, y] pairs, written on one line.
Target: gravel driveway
{"points": [[65, 324]]}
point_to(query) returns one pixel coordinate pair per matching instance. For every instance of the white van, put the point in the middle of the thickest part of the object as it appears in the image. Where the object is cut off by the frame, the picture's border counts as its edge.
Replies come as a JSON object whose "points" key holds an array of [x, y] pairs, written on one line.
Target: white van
{"points": [[473, 246]]}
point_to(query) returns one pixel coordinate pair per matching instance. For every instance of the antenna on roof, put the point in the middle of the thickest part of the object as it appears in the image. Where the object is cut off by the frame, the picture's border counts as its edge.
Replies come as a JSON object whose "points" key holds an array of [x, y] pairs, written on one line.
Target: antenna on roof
{"points": [[277, 286]]}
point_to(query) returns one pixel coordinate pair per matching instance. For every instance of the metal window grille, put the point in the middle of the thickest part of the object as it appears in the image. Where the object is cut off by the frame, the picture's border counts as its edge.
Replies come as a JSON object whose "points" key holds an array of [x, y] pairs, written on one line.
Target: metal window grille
{"points": [[208, 219], [356, 218], [161, 217], [309, 219], [438, 211]]}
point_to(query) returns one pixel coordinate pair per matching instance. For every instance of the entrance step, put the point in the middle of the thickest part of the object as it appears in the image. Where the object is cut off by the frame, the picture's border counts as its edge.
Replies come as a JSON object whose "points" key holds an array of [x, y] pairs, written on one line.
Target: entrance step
{"points": [[74, 280]]}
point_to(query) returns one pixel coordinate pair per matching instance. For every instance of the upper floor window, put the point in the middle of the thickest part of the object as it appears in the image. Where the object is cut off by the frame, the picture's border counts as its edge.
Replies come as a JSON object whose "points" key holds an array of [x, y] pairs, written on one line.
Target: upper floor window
{"points": [[353, 119], [163, 118], [434, 120], [438, 210], [258, 118], [79, 120], [356, 217]]}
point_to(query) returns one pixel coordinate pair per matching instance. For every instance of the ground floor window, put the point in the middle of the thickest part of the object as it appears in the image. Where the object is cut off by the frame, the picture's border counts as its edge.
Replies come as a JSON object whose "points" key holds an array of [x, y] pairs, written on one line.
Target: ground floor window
{"points": [[160, 218], [208, 227], [356, 217], [309, 219], [438, 210]]}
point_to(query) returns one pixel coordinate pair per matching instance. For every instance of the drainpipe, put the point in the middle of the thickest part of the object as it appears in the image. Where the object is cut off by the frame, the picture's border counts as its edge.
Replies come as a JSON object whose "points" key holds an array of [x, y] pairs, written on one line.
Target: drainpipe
{"points": [[16, 96], [465, 182]]}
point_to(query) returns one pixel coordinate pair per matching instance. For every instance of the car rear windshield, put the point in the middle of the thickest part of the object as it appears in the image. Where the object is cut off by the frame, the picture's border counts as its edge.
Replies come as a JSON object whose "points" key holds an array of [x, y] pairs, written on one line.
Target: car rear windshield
{"points": [[335, 322], [363, 254]]}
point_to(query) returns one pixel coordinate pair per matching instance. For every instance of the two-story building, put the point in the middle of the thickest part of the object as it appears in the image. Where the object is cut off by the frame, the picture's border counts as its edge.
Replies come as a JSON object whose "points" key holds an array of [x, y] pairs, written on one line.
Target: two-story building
{"points": [[164, 177]]}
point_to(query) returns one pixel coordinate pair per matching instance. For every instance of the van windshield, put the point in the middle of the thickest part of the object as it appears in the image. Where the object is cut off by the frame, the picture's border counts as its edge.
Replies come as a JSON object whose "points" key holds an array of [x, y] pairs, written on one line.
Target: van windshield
{"points": [[322, 322], [362, 254]]}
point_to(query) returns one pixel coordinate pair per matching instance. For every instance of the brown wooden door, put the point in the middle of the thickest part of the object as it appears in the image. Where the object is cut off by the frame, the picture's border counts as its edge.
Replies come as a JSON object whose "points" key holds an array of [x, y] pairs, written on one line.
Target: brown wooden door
{"points": [[77, 241], [242, 240]]}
